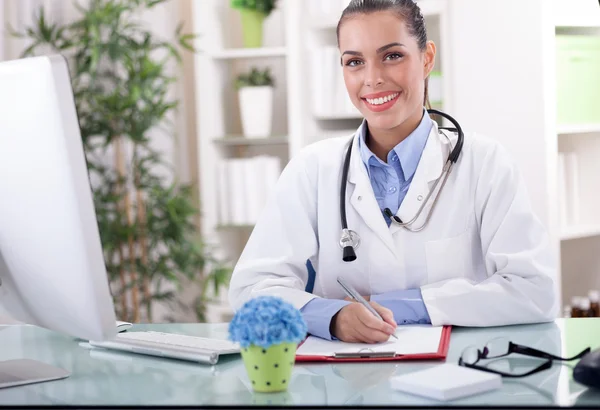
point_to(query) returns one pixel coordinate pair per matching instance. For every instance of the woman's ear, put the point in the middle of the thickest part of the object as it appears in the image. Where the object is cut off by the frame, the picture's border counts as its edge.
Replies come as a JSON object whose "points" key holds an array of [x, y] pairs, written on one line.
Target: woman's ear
{"points": [[429, 58]]}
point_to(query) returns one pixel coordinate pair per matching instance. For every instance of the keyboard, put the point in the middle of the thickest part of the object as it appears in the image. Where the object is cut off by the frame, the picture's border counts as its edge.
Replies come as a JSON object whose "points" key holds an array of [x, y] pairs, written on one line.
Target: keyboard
{"points": [[171, 345]]}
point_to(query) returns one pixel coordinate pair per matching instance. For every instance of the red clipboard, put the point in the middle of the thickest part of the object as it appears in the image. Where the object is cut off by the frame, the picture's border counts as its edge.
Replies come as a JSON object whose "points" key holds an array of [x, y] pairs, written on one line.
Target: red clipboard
{"points": [[372, 357]]}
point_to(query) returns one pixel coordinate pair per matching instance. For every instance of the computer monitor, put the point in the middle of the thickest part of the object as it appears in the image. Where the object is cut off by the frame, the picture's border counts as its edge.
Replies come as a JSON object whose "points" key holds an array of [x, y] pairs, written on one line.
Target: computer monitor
{"points": [[52, 271]]}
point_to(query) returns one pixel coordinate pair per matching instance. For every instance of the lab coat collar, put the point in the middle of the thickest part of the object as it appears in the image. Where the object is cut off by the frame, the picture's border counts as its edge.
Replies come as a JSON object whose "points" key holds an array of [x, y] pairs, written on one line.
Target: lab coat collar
{"points": [[429, 167], [363, 198]]}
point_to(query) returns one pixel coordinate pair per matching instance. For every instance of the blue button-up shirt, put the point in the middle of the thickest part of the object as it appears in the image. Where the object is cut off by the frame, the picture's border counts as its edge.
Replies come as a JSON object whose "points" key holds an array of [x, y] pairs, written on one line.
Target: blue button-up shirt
{"points": [[390, 182]]}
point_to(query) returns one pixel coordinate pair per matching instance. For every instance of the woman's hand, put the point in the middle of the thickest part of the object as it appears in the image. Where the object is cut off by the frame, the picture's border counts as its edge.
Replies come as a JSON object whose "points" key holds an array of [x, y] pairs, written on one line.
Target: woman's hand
{"points": [[349, 299], [355, 324]]}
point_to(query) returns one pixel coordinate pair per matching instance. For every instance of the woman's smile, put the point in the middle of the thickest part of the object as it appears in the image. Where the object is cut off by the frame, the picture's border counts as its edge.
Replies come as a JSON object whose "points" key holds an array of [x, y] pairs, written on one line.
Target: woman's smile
{"points": [[382, 101]]}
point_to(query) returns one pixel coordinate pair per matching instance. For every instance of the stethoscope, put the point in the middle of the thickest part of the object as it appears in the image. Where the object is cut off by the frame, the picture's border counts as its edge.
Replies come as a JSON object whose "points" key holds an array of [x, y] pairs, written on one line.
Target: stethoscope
{"points": [[350, 239]]}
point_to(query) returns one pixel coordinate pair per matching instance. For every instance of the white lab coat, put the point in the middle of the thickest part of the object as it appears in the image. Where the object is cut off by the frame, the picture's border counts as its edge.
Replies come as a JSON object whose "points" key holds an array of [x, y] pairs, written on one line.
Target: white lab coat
{"points": [[484, 259]]}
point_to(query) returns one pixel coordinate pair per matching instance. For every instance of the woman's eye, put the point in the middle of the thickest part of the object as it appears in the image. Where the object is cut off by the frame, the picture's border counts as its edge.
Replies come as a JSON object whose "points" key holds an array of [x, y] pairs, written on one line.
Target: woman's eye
{"points": [[394, 56], [352, 63]]}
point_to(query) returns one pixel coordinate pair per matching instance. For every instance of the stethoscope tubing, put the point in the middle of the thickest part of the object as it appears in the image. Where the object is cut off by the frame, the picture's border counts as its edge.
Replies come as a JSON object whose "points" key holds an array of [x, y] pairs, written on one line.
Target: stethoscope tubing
{"points": [[350, 239]]}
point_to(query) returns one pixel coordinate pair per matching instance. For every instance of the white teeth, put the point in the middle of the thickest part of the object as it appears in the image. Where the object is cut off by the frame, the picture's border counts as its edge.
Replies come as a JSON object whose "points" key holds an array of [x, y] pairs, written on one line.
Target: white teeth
{"points": [[379, 101]]}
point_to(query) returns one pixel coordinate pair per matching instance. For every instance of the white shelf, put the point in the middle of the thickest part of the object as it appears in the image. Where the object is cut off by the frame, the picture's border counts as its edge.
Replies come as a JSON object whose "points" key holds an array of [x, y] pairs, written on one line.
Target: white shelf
{"points": [[240, 140], [339, 116], [429, 8], [577, 13], [237, 53], [579, 231], [579, 129], [229, 227]]}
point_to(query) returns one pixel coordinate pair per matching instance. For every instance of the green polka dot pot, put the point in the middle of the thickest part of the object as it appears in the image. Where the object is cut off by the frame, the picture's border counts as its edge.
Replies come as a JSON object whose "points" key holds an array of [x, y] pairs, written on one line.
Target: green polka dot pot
{"points": [[269, 370]]}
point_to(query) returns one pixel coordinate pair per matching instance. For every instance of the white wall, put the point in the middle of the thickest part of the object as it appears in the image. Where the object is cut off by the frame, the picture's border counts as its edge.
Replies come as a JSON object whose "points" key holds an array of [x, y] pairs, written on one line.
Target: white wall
{"points": [[514, 108]]}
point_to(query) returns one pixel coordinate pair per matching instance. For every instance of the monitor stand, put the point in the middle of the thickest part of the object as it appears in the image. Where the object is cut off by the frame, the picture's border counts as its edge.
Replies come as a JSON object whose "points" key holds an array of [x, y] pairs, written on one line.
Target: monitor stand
{"points": [[25, 371]]}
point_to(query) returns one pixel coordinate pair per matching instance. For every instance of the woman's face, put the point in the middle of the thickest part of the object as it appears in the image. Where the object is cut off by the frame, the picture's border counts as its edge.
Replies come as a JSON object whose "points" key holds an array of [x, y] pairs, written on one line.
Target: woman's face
{"points": [[384, 69]]}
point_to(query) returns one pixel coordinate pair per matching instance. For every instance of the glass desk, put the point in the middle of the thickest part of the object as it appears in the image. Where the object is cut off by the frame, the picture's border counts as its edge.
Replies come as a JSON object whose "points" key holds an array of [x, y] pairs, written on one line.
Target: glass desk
{"points": [[100, 377]]}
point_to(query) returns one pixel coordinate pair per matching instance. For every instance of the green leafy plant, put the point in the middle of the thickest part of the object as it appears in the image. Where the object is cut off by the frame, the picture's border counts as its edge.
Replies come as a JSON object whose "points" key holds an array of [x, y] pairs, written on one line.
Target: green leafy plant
{"points": [[121, 77], [262, 6], [255, 78]]}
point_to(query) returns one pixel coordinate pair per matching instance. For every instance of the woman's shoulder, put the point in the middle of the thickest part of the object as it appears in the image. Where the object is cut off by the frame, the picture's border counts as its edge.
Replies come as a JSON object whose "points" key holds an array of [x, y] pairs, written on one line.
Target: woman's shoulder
{"points": [[484, 149], [318, 158], [323, 151]]}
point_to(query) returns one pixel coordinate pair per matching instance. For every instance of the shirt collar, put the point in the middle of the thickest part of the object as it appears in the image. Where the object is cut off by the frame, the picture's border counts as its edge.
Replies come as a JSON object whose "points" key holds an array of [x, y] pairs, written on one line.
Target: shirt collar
{"points": [[408, 151]]}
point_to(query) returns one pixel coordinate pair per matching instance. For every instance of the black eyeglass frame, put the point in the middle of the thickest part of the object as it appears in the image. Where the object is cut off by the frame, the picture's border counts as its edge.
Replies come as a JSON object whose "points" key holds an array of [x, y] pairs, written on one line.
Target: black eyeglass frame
{"points": [[520, 349]]}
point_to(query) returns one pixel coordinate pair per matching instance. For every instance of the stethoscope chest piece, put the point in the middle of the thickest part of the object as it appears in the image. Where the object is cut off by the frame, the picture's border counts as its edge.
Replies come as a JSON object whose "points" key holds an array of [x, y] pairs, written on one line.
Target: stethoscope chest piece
{"points": [[349, 238]]}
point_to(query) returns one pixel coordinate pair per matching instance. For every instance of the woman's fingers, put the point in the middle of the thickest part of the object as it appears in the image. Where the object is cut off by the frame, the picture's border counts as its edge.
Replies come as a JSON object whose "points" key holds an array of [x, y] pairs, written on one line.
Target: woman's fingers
{"points": [[355, 323], [375, 324], [366, 335], [386, 314]]}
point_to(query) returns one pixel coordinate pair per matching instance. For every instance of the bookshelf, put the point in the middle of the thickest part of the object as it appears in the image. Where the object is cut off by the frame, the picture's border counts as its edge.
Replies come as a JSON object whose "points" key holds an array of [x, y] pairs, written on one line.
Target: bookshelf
{"points": [[518, 104], [487, 91], [580, 236]]}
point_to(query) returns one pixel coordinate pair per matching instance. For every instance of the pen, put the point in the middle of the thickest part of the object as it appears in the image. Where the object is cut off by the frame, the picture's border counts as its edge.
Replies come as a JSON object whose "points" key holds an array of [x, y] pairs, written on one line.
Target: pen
{"points": [[352, 293]]}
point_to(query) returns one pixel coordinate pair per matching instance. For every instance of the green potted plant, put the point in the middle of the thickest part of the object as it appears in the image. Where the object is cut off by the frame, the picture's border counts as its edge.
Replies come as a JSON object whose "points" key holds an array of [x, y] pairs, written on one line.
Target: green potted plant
{"points": [[268, 330], [253, 14], [147, 219], [255, 92]]}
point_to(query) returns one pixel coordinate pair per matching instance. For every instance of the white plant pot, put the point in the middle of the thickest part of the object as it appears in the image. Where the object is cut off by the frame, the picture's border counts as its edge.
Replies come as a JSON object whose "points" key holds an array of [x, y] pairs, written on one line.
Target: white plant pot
{"points": [[256, 109]]}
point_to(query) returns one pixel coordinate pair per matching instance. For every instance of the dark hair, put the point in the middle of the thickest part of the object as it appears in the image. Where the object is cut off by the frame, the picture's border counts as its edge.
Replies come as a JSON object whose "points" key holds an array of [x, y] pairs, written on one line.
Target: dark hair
{"points": [[407, 10]]}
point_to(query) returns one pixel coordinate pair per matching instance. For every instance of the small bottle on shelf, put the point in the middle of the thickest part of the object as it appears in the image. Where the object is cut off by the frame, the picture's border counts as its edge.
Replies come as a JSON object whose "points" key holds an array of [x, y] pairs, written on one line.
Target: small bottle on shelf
{"points": [[575, 308], [585, 306], [566, 311], [594, 296]]}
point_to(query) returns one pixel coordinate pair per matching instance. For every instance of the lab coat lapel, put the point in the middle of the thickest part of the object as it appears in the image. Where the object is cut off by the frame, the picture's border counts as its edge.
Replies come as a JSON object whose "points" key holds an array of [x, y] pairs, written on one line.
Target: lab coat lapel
{"points": [[428, 171], [362, 198]]}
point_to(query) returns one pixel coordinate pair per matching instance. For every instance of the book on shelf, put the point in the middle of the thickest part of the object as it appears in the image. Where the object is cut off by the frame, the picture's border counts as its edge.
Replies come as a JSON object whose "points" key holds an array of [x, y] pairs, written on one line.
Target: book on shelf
{"points": [[568, 188], [244, 187], [330, 97]]}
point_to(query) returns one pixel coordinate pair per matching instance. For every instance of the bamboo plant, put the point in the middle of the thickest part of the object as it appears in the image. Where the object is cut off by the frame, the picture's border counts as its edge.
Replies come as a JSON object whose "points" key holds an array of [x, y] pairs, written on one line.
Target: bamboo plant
{"points": [[121, 76]]}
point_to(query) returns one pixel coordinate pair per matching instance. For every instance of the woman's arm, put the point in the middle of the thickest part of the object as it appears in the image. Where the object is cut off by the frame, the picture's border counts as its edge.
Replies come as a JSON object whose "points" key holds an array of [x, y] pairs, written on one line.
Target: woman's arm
{"points": [[519, 258], [407, 306]]}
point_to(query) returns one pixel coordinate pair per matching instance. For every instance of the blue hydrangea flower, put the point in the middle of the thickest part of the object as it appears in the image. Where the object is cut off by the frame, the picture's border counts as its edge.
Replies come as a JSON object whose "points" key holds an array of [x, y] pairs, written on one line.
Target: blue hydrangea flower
{"points": [[266, 321]]}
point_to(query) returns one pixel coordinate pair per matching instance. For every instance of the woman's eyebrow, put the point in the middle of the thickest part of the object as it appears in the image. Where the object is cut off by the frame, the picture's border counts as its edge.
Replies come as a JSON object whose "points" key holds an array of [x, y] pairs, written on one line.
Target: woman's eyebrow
{"points": [[379, 50]]}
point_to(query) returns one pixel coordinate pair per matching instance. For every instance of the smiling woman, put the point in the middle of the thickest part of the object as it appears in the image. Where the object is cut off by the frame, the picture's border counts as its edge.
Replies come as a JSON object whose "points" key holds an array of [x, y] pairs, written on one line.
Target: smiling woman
{"points": [[480, 258]]}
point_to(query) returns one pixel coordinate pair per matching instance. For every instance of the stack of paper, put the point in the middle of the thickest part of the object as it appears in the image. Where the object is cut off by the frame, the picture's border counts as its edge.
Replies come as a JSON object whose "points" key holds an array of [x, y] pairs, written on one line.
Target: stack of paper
{"points": [[411, 340], [446, 382]]}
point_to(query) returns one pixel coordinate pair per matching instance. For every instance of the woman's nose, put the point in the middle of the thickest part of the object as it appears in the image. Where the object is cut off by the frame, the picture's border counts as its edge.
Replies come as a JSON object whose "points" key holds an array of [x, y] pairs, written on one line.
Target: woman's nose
{"points": [[373, 77]]}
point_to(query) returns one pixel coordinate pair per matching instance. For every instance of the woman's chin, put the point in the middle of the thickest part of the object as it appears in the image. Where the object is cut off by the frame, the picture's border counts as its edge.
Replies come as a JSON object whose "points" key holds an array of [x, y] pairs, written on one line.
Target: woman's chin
{"points": [[383, 121]]}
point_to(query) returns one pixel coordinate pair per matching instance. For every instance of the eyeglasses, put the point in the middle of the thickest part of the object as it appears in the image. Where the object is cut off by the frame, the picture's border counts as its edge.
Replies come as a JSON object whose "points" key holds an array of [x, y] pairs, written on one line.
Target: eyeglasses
{"points": [[501, 347]]}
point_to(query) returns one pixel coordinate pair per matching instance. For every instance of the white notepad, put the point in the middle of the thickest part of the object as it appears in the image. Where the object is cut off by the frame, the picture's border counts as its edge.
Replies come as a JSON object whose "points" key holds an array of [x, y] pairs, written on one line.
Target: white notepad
{"points": [[417, 339], [446, 382]]}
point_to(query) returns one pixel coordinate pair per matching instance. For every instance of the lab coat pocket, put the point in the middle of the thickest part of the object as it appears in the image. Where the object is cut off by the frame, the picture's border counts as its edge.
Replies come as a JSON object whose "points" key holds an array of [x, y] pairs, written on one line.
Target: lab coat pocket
{"points": [[449, 257]]}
